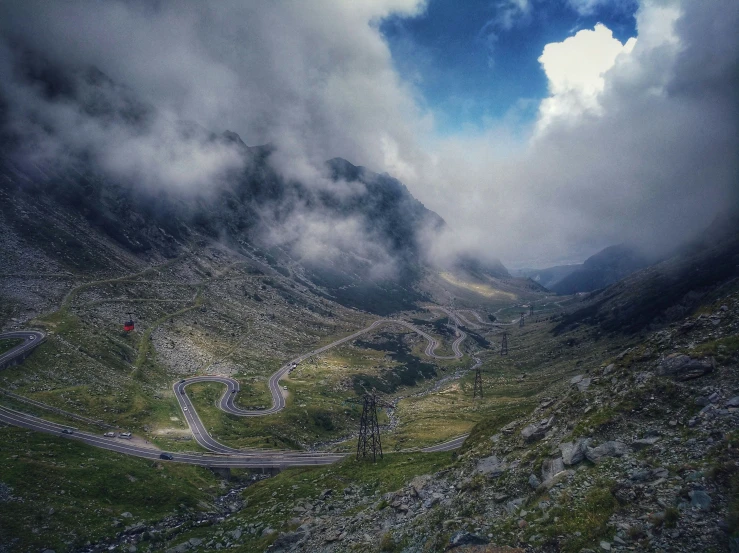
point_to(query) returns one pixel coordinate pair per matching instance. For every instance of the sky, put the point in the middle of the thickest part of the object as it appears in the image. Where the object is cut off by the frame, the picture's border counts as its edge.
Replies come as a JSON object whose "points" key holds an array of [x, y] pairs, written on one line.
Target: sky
{"points": [[479, 64], [541, 131]]}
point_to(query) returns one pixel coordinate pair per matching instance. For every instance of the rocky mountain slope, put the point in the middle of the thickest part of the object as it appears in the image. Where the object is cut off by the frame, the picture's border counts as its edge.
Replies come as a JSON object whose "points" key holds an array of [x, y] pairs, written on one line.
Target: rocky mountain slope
{"points": [[349, 230], [598, 271], [667, 291], [637, 451]]}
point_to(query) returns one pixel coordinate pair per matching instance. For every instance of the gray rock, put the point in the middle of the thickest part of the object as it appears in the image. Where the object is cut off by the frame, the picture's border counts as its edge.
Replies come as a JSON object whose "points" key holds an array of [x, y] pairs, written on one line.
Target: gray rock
{"points": [[466, 538], [235, 534], [286, 540], [534, 481], [513, 505], [644, 443], [660, 472], [702, 401], [573, 452], [733, 402], [195, 541], [491, 466], [576, 379], [609, 369], [605, 546], [682, 367], [607, 449], [643, 475], [551, 468], [700, 500], [534, 432], [584, 384]]}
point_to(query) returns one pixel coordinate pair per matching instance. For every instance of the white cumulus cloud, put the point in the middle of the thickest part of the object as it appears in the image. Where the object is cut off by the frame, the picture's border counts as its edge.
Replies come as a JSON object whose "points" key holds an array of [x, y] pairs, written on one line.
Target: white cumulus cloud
{"points": [[575, 69]]}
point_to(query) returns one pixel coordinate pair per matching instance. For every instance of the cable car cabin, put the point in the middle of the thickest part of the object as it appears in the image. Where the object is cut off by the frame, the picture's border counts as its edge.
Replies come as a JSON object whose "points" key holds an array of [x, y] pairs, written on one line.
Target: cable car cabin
{"points": [[128, 326]]}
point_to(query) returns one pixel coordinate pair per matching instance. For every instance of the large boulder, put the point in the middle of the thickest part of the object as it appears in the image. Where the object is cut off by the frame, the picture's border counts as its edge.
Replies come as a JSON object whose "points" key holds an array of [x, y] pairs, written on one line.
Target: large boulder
{"points": [[581, 381], [574, 452], [286, 540], [607, 449], [551, 468], [466, 538], [683, 367], [492, 467], [537, 431]]}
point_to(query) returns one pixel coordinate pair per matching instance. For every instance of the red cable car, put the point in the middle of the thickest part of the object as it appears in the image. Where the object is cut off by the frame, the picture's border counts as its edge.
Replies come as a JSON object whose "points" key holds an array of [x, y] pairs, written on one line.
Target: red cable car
{"points": [[128, 326]]}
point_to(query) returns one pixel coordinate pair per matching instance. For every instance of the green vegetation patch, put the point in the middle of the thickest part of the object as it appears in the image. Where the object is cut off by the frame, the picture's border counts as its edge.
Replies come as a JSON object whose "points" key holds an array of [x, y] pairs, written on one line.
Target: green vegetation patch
{"points": [[63, 493], [409, 370], [6, 344], [723, 349], [581, 523]]}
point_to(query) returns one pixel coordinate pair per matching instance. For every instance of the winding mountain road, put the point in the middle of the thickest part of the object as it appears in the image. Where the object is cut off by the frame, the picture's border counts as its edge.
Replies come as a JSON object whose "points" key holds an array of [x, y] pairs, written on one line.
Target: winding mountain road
{"points": [[226, 402], [223, 456], [31, 339]]}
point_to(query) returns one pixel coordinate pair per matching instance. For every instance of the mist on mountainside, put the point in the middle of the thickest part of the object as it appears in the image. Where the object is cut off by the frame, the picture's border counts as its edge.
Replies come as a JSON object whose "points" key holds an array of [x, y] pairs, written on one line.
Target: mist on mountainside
{"points": [[558, 190], [153, 184]]}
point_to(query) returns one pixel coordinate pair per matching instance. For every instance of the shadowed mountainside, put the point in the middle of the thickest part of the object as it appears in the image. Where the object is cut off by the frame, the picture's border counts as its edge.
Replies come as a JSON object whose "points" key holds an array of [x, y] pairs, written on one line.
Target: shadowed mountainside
{"points": [[667, 291]]}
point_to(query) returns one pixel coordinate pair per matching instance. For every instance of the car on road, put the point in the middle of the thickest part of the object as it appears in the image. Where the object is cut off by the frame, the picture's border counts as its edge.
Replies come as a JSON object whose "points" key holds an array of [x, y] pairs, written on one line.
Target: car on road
{"points": [[166, 456], [109, 434], [126, 435], [67, 431], [184, 408], [181, 381]]}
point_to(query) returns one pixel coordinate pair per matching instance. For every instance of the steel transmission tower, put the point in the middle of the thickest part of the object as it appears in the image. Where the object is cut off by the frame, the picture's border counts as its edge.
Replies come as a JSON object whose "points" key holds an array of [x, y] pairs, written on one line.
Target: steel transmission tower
{"points": [[521, 322], [504, 344], [369, 430], [531, 309], [478, 383]]}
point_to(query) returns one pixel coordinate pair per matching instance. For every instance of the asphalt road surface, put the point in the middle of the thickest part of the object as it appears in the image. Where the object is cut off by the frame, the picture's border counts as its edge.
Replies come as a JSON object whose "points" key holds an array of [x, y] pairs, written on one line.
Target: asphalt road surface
{"points": [[31, 339]]}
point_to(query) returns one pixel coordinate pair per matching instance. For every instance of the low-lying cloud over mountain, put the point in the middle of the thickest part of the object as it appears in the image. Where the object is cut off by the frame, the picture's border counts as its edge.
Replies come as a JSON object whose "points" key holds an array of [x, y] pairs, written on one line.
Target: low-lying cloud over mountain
{"points": [[639, 146]]}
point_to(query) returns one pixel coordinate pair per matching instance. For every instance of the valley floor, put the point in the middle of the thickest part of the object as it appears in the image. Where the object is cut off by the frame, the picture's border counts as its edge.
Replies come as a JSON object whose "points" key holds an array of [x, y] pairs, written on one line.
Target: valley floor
{"points": [[580, 441]]}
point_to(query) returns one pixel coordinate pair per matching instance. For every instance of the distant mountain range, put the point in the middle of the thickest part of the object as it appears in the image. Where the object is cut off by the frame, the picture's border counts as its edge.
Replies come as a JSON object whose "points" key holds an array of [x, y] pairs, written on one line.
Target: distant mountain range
{"points": [[667, 291], [605, 267]]}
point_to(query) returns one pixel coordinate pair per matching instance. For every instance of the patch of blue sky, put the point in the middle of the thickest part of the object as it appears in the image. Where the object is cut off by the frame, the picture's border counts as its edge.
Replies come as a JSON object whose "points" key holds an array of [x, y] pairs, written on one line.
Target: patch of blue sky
{"points": [[474, 67]]}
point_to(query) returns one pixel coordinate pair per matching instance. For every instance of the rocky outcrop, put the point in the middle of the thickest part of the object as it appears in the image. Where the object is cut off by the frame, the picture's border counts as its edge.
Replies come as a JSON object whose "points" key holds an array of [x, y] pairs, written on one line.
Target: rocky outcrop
{"points": [[607, 449], [682, 367], [492, 466], [574, 452], [537, 431]]}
